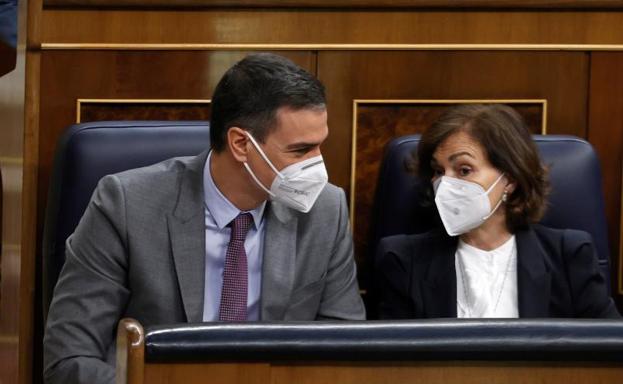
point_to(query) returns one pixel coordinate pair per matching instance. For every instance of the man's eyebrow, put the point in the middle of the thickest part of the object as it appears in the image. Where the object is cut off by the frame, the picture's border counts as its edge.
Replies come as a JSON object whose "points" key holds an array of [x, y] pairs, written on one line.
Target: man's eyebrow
{"points": [[301, 145]]}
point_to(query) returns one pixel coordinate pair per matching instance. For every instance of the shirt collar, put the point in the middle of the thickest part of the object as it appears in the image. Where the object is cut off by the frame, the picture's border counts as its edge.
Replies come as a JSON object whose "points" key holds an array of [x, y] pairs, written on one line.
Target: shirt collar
{"points": [[221, 209]]}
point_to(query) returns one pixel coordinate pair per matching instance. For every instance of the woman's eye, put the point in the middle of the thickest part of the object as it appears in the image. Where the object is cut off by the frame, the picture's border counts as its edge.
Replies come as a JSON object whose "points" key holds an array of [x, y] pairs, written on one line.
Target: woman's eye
{"points": [[465, 171], [437, 172]]}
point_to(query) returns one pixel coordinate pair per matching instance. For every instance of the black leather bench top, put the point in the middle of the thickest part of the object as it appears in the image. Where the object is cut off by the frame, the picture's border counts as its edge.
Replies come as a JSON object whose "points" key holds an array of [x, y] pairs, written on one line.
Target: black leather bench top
{"points": [[561, 340]]}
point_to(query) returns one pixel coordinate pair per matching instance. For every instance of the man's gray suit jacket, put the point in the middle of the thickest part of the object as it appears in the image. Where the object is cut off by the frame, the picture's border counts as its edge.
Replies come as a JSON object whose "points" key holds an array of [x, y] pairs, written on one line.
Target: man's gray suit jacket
{"points": [[139, 251]]}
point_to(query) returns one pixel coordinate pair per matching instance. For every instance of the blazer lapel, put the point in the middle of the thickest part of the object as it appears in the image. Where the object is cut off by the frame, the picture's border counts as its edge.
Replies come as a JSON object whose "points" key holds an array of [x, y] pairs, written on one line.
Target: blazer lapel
{"points": [[187, 231], [439, 285], [278, 261], [533, 279]]}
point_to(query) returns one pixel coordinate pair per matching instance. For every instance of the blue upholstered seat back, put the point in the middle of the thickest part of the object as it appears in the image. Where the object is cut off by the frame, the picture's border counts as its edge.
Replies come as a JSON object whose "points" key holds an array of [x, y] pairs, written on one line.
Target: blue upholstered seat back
{"points": [[576, 199], [86, 153]]}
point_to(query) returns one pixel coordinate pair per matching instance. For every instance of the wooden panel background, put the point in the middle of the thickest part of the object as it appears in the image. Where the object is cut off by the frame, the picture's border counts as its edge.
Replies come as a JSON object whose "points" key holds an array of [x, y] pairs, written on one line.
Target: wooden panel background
{"points": [[546, 4], [317, 26], [559, 77], [606, 134], [431, 372], [101, 110], [569, 54]]}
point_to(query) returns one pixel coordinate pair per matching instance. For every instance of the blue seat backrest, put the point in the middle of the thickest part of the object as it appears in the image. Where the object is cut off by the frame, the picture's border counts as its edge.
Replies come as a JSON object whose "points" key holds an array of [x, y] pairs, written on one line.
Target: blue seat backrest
{"points": [[86, 153], [576, 199]]}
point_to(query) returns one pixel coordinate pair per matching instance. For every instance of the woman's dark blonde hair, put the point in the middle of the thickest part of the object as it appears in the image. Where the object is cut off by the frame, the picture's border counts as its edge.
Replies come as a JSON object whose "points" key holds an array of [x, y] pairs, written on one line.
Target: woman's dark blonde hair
{"points": [[509, 147]]}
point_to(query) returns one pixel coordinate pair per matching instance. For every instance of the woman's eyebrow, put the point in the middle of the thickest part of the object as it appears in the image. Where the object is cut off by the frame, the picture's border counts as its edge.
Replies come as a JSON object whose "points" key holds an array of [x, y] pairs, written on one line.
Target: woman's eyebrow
{"points": [[459, 154]]}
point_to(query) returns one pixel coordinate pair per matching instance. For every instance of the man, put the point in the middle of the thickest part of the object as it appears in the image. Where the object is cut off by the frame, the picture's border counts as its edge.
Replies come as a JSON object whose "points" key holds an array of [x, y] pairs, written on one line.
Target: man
{"points": [[195, 239]]}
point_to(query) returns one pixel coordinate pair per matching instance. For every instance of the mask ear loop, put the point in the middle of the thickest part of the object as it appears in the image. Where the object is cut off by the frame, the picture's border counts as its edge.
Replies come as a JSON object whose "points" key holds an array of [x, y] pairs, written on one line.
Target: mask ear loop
{"points": [[494, 184], [263, 155], [502, 199], [257, 181]]}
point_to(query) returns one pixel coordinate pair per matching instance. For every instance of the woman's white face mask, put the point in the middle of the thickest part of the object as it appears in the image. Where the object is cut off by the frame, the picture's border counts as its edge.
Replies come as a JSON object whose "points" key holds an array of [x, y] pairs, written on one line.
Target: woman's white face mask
{"points": [[296, 186], [463, 205]]}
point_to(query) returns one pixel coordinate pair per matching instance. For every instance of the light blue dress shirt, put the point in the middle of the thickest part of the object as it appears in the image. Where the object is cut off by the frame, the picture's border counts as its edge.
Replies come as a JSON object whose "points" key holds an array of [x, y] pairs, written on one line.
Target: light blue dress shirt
{"points": [[219, 212]]}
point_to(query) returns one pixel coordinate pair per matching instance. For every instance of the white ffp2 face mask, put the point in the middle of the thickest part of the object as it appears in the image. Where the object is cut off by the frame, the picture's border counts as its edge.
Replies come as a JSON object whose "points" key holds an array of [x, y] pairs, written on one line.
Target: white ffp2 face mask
{"points": [[296, 186], [463, 205]]}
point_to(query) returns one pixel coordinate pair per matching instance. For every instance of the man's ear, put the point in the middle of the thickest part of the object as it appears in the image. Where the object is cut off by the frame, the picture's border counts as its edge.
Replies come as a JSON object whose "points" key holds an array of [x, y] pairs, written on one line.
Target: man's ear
{"points": [[237, 140]]}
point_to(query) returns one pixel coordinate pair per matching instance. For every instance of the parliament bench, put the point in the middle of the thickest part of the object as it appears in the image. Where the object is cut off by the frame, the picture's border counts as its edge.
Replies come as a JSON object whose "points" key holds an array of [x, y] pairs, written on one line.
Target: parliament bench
{"points": [[418, 351]]}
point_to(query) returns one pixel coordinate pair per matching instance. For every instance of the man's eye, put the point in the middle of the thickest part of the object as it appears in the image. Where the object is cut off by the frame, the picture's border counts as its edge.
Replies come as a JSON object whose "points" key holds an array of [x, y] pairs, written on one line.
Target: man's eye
{"points": [[301, 151]]}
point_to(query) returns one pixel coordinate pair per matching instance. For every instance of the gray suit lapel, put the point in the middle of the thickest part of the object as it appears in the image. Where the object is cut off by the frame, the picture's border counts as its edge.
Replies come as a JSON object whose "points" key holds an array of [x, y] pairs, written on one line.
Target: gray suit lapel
{"points": [[278, 261], [187, 231]]}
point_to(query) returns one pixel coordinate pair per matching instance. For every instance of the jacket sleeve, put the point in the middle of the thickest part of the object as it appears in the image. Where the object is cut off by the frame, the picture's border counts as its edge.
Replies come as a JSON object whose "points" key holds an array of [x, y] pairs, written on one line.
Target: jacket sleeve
{"points": [[590, 295], [91, 293], [341, 298], [391, 282]]}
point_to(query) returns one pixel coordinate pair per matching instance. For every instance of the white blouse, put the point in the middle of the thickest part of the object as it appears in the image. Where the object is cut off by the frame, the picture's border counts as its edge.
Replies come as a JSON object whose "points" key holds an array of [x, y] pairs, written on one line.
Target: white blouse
{"points": [[486, 281]]}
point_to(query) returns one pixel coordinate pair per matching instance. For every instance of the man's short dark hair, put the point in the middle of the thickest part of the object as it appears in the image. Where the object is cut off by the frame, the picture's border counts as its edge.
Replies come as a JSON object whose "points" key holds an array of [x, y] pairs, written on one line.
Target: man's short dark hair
{"points": [[250, 93]]}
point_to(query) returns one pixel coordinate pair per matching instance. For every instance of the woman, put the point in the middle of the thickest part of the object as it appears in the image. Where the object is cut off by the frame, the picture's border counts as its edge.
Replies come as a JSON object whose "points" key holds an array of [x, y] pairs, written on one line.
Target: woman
{"points": [[492, 260]]}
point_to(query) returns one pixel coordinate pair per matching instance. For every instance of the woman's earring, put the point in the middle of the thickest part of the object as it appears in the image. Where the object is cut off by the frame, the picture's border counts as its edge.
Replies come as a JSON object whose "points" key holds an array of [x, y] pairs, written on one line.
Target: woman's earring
{"points": [[505, 196]]}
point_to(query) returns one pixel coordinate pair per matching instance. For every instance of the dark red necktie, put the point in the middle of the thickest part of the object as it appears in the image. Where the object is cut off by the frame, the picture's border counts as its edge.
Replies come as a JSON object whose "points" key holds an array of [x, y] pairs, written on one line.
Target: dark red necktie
{"points": [[233, 305]]}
